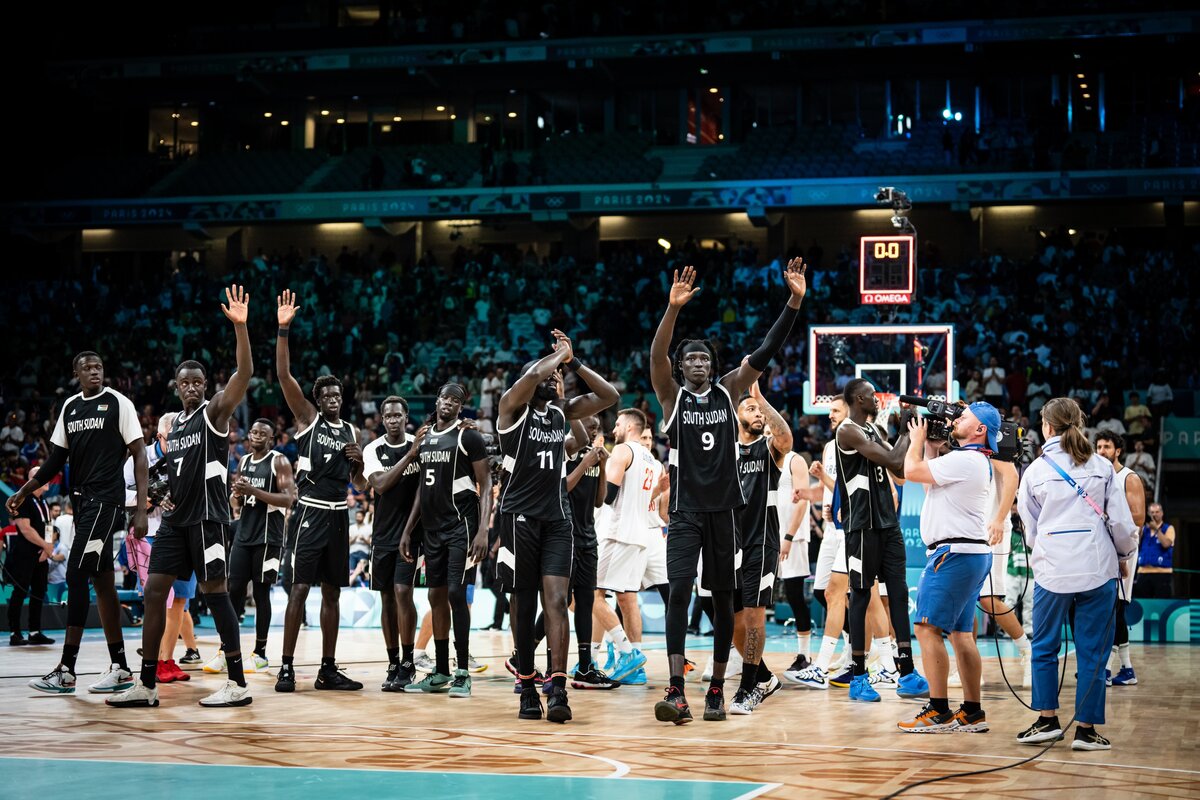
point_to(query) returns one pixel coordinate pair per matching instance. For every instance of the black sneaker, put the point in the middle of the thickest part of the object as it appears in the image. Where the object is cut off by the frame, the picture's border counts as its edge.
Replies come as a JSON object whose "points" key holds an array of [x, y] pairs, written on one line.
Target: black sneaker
{"points": [[557, 709], [393, 670], [594, 678], [404, 676], [192, 656], [531, 704], [1090, 739], [714, 704], [673, 708], [1046, 729], [801, 663], [39, 638], [336, 680], [17, 640], [285, 681]]}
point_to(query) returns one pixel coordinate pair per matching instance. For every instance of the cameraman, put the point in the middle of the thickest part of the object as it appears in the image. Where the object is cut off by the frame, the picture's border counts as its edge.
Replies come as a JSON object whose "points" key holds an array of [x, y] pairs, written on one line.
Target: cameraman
{"points": [[1078, 525], [954, 523]]}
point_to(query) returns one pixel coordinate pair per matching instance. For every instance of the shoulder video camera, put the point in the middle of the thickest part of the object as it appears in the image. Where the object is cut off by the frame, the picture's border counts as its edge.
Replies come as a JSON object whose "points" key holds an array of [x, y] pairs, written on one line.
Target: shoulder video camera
{"points": [[940, 420]]}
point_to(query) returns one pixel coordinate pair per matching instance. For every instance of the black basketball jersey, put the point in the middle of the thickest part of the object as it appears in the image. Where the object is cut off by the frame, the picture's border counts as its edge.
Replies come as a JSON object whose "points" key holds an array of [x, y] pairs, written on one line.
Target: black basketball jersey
{"points": [[97, 430], [448, 491], [759, 477], [583, 499], [704, 451], [392, 507], [535, 450], [322, 470], [198, 475], [260, 523], [864, 489]]}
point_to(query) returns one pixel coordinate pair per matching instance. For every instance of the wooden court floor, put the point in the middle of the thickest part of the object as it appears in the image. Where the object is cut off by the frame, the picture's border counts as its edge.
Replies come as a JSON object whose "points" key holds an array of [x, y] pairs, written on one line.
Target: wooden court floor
{"points": [[800, 743]]}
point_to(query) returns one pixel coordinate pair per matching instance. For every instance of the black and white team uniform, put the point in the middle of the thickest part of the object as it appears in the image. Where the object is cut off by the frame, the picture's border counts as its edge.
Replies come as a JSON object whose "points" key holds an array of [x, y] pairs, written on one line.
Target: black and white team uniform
{"points": [[194, 532], [758, 522], [874, 544], [706, 491], [583, 517], [258, 540], [449, 502], [319, 532], [392, 508], [97, 431], [536, 538]]}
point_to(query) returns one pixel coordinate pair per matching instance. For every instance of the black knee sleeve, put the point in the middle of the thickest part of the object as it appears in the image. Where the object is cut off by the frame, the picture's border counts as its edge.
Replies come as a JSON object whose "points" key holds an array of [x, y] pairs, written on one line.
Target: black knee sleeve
{"points": [[262, 610], [723, 604], [225, 619], [820, 595], [584, 602], [860, 599], [79, 597], [794, 589]]}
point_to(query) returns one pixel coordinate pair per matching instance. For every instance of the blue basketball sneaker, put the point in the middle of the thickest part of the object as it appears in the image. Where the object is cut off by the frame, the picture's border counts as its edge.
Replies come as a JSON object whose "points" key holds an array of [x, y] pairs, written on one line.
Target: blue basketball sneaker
{"points": [[612, 658], [638, 678], [862, 691], [912, 686], [1125, 677], [626, 665]]}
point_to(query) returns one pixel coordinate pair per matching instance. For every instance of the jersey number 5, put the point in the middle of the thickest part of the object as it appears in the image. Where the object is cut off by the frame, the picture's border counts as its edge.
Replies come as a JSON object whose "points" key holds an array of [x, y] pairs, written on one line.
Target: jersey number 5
{"points": [[429, 477]]}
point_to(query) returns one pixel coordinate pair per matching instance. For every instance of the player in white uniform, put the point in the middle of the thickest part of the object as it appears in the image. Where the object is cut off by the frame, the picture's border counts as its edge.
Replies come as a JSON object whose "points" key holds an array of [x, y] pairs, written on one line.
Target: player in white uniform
{"points": [[795, 526], [1111, 446], [631, 472]]}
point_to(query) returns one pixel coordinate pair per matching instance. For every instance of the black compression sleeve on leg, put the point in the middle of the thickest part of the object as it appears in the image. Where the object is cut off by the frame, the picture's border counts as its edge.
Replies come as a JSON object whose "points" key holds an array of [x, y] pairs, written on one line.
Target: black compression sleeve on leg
{"points": [[79, 597], [539, 629], [664, 591], [722, 624], [226, 621], [237, 595], [706, 605], [460, 619], [677, 615], [760, 359], [585, 599], [820, 595], [262, 611], [523, 611], [794, 589], [860, 599]]}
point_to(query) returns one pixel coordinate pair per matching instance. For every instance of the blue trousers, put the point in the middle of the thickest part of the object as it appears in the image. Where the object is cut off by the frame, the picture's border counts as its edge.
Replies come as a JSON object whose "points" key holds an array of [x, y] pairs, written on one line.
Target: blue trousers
{"points": [[1094, 612]]}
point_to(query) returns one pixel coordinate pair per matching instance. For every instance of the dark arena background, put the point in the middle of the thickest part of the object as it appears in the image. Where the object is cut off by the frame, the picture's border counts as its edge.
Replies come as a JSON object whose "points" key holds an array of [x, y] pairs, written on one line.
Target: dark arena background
{"points": [[992, 202]]}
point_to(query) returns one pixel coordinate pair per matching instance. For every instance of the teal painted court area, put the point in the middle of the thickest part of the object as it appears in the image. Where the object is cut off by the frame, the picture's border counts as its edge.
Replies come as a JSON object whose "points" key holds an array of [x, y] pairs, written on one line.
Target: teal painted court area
{"points": [[26, 778]]}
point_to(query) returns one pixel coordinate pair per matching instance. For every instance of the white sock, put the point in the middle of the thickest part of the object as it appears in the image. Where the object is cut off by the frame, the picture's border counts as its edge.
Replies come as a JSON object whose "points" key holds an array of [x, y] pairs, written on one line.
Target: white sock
{"points": [[595, 648], [1114, 658], [619, 638], [803, 642], [1126, 661], [1023, 644], [825, 656], [605, 639], [883, 650], [636, 646]]}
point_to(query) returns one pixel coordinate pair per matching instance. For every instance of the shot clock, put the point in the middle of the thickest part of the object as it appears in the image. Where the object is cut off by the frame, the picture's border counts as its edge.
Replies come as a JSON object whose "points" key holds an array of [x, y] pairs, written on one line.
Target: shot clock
{"points": [[886, 269]]}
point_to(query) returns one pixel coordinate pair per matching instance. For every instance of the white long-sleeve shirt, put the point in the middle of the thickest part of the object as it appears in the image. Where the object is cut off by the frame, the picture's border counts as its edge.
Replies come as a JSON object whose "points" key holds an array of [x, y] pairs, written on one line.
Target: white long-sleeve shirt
{"points": [[1071, 551]]}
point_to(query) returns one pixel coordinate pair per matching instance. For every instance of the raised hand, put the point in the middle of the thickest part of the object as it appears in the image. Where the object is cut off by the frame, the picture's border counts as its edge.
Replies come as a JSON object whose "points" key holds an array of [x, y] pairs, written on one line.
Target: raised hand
{"points": [[561, 340], [238, 309], [419, 436], [793, 275], [287, 307], [817, 469], [684, 288]]}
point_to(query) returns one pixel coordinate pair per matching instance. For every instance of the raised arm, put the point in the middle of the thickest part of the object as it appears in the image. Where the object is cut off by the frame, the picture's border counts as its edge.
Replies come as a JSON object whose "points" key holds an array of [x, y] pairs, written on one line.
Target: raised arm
{"points": [[850, 437], [683, 289], [521, 392], [224, 402], [603, 395], [739, 380], [781, 432], [304, 411]]}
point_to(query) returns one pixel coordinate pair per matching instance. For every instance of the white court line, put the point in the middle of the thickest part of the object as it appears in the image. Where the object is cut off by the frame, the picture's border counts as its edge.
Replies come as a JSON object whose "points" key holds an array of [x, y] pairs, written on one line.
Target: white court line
{"points": [[492, 732], [766, 787]]}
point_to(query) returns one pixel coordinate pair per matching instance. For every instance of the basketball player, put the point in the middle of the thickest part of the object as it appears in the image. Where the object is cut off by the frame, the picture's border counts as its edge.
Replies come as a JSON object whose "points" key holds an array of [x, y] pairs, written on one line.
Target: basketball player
{"points": [[452, 504], [760, 459], [391, 468], [874, 544], [586, 491], [267, 489], [831, 582], [536, 538], [1112, 446], [194, 531], [795, 528], [631, 475], [95, 430], [700, 419], [319, 535]]}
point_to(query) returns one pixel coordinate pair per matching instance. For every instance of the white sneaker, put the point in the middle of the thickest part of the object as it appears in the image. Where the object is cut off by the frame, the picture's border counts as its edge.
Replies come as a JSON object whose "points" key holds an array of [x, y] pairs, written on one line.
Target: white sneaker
{"points": [[744, 702], [216, 665], [884, 679], [255, 663], [117, 679], [423, 663], [954, 681], [707, 674], [137, 696], [474, 667], [767, 688], [813, 678], [228, 695], [1027, 668], [734, 668], [840, 663], [60, 681]]}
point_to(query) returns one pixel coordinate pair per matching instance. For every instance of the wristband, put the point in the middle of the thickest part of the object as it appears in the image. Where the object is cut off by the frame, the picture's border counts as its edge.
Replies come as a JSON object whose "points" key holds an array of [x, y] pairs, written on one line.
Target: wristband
{"points": [[789, 537], [574, 364], [282, 333]]}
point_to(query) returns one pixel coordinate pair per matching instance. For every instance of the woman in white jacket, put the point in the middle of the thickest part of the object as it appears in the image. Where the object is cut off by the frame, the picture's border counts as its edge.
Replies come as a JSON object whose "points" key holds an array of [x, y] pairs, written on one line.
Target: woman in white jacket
{"points": [[1062, 501]]}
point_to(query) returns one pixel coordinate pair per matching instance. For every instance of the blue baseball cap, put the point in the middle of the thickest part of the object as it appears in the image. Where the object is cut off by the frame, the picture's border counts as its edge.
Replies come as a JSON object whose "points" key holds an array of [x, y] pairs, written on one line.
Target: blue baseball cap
{"points": [[989, 417]]}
